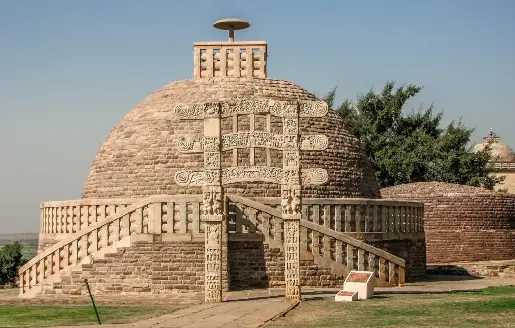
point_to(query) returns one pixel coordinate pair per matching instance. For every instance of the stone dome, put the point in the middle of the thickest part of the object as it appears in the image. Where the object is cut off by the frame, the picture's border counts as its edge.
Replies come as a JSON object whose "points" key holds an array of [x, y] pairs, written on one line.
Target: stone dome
{"points": [[499, 151], [139, 157], [431, 188]]}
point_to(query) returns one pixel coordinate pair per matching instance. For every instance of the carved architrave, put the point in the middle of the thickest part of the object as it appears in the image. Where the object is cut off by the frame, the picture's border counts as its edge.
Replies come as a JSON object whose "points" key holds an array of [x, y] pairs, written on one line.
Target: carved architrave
{"points": [[251, 173], [289, 175], [259, 139], [305, 108]]}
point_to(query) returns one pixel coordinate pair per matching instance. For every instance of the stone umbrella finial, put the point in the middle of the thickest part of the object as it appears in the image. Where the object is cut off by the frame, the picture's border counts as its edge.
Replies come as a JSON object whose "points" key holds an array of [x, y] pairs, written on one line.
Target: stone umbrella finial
{"points": [[231, 24]]}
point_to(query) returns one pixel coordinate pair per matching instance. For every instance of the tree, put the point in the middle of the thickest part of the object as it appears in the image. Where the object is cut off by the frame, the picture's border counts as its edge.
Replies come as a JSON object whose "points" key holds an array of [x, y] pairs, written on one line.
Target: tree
{"points": [[11, 259], [412, 147]]}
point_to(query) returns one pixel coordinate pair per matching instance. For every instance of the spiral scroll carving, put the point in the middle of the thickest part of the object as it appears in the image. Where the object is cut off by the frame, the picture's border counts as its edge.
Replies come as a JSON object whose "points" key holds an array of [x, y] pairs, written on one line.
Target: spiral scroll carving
{"points": [[316, 176]]}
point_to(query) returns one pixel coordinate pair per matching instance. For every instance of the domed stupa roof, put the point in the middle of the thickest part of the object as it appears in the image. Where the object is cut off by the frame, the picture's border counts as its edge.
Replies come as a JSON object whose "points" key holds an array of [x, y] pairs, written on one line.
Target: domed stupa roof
{"points": [[143, 153], [500, 151]]}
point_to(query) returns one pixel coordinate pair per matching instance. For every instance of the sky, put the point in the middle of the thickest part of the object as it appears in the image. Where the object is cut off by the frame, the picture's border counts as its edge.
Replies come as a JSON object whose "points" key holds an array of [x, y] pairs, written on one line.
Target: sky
{"points": [[70, 70]]}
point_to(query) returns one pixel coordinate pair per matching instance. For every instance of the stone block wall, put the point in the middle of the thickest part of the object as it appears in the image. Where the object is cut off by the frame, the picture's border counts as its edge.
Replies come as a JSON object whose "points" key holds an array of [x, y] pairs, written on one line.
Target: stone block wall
{"points": [[170, 267], [144, 267], [463, 223]]}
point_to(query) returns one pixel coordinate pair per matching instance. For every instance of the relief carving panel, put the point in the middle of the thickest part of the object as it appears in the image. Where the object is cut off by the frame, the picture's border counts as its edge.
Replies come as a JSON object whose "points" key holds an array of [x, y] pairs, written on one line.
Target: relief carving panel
{"points": [[198, 143], [311, 176], [306, 108]]}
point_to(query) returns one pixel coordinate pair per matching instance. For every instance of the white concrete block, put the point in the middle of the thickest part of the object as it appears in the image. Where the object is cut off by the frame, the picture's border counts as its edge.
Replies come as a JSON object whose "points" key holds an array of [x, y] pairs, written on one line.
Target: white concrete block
{"points": [[345, 296], [361, 282]]}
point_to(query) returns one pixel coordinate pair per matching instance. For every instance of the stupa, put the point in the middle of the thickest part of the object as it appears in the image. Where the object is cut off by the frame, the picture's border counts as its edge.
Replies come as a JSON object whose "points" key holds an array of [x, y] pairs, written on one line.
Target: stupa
{"points": [[227, 180], [502, 160]]}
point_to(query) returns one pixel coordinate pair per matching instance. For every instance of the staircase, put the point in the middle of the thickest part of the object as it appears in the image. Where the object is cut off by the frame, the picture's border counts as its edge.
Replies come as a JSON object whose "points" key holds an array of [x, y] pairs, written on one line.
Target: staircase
{"points": [[329, 247]]}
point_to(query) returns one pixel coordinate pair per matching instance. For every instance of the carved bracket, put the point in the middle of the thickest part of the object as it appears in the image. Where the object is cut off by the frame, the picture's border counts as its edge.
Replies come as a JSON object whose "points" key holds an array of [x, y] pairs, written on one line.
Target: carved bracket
{"points": [[198, 143], [314, 108], [314, 176]]}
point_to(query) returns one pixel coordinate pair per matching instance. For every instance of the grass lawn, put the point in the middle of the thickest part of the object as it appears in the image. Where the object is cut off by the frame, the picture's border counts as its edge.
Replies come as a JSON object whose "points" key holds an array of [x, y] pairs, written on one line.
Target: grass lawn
{"points": [[51, 315], [491, 307]]}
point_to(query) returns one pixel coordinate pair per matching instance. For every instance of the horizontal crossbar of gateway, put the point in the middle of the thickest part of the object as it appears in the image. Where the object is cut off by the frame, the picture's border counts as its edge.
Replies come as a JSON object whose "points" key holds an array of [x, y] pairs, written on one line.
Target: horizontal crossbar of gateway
{"points": [[306, 108], [315, 176]]}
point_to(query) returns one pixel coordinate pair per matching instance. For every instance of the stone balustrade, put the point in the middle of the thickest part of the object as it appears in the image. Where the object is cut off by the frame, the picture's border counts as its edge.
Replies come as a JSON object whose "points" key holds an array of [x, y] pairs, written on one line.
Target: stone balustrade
{"points": [[368, 219], [64, 217], [167, 215], [502, 165], [230, 59], [246, 216]]}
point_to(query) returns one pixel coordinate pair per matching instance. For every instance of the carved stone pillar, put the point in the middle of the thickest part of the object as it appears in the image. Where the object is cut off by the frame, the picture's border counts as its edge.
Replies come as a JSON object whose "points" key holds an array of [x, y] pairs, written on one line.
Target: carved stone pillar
{"points": [[212, 209], [291, 201]]}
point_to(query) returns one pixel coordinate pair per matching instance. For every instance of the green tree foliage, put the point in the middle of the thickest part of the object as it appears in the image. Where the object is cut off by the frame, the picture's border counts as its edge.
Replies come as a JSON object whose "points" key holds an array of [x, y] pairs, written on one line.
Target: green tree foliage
{"points": [[412, 147], [11, 258]]}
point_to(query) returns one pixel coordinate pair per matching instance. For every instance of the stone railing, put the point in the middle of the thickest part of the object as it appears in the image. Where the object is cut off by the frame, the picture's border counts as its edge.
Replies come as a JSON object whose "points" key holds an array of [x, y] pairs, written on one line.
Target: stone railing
{"points": [[230, 59], [502, 165], [247, 216], [64, 217], [362, 218], [158, 215]]}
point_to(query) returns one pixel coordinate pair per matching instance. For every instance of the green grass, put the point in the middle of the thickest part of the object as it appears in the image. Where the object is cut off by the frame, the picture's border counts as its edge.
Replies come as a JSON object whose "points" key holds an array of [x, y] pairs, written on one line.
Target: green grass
{"points": [[491, 307], [51, 315]]}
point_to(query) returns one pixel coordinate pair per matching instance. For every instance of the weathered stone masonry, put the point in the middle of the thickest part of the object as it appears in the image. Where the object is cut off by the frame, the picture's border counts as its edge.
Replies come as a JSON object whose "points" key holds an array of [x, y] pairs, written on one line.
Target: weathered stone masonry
{"points": [[146, 266], [463, 223]]}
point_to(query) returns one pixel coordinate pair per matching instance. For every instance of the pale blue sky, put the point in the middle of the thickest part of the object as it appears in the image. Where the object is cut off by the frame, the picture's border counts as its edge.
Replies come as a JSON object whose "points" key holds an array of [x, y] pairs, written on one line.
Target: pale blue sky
{"points": [[70, 70]]}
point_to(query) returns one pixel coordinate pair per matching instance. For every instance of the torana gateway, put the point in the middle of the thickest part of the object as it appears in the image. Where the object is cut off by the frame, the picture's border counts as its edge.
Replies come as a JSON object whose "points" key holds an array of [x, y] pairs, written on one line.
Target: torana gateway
{"points": [[229, 180]]}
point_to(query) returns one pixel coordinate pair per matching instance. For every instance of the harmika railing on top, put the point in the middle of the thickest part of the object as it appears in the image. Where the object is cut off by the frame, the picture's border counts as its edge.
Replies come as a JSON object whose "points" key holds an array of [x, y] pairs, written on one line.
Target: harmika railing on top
{"points": [[157, 214], [387, 219], [247, 216]]}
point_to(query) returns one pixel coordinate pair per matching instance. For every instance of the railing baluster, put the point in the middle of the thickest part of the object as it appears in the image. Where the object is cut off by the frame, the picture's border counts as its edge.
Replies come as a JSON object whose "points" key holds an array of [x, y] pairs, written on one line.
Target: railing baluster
{"points": [[266, 226], [350, 257], [326, 239], [376, 218], [358, 218], [382, 270], [93, 215], [93, 237], [252, 220], [348, 218], [338, 218], [372, 265], [391, 272], [239, 218], [316, 236], [196, 217], [361, 259], [170, 217]]}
